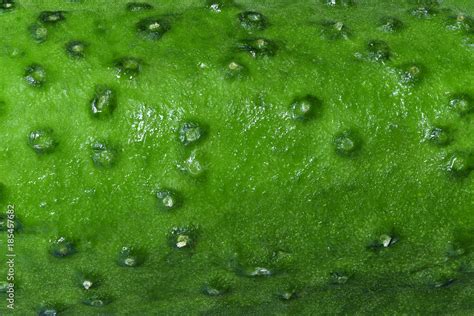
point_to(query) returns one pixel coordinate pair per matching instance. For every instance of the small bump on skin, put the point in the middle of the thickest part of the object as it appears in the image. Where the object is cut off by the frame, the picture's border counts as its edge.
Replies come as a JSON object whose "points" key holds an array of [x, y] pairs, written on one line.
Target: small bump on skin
{"points": [[38, 32], [62, 248], [96, 301], [235, 70], [127, 67], [462, 103], [438, 136], [42, 141], [258, 272], [76, 49], [183, 237], [304, 108], [423, 12], [251, 20], [51, 17], [192, 166], [104, 102], [35, 75], [48, 311], [347, 143], [7, 5], [168, 199], [444, 283], [378, 51], [334, 30], [460, 22], [390, 24], [339, 3], [138, 7], [338, 278], [461, 245], [87, 281], [217, 286], [190, 133], [258, 47], [129, 257], [384, 241], [3, 286], [459, 164], [455, 251], [288, 295], [411, 74], [152, 28], [219, 5], [17, 226], [103, 156]]}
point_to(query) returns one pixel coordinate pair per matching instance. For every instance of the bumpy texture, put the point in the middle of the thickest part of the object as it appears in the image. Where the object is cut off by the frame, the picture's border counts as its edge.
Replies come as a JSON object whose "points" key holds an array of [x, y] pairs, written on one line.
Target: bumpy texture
{"points": [[238, 157]]}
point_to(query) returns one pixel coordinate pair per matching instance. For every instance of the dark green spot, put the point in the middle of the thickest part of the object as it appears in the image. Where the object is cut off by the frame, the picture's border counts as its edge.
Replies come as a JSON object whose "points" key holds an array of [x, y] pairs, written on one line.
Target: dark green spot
{"points": [[288, 294], [438, 135], [127, 67], [9, 223], [7, 5], [462, 244], [183, 237], [433, 3], [378, 50], [4, 285], [130, 257], [424, 12], [168, 199], [411, 74], [258, 47], [459, 164], [76, 49], [339, 3], [304, 108], [251, 20], [384, 241], [104, 102], [443, 283], [347, 143], [62, 247], [217, 286], [103, 156], [51, 17], [257, 272], [96, 301], [48, 311], [88, 281], [38, 32], [138, 6], [390, 24], [152, 28], [42, 141], [462, 103], [334, 30], [192, 165], [219, 5], [338, 278], [460, 22], [190, 133], [235, 70], [35, 75]]}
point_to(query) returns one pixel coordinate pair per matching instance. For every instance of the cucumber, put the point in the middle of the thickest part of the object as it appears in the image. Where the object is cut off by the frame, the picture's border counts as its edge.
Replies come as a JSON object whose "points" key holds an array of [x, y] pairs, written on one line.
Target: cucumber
{"points": [[306, 157]]}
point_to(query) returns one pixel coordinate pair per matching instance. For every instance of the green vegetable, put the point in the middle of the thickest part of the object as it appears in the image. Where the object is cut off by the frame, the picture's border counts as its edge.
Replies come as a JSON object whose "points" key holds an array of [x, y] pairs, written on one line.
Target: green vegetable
{"points": [[307, 157]]}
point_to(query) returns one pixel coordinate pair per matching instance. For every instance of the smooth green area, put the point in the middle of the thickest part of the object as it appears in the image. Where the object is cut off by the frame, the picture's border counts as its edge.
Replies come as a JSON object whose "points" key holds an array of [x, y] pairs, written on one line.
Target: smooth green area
{"points": [[270, 184]]}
